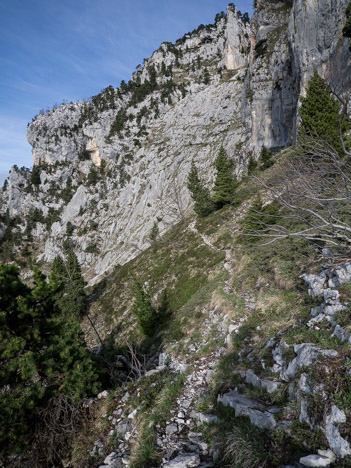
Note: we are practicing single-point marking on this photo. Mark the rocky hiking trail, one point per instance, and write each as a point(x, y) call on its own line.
point(181, 440)
point(294, 374)
point(289, 375)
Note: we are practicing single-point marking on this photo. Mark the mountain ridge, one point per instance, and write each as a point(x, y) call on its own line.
point(235, 83)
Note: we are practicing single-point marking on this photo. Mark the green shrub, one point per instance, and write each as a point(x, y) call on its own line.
point(92, 248)
point(261, 48)
point(42, 356)
point(83, 154)
point(35, 176)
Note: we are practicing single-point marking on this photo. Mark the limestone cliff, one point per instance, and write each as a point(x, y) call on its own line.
point(113, 167)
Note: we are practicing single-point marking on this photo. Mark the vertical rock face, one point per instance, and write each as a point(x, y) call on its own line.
point(116, 165)
point(271, 94)
point(54, 136)
point(316, 41)
point(237, 43)
point(291, 40)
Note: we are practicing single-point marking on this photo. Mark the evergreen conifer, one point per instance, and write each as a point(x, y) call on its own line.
point(252, 166)
point(145, 313)
point(203, 203)
point(154, 233)
point(206, 76)
point(320, 113)
point(71, 298)
point(35, 177)
point(42, 356)
point(265, 158)
point(225, 183)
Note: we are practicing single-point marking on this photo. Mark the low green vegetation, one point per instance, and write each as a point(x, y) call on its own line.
point(145, 452)
point(178, 265)
point(43, 361)
point(242, 445)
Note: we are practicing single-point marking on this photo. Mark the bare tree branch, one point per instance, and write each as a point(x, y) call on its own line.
point(315, 190)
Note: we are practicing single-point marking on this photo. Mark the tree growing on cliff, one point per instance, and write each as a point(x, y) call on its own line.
point(315, 202)
point(173, 201)
point(42, 356)
point(35, 177)
point(154, 233)
point(225, 183)
point(320, 113)
point(204, 205)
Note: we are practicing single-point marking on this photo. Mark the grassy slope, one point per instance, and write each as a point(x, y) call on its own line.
point(194, 275)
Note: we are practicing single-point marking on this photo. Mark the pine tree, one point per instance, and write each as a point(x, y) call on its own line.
point(225, 183)
point(35, 177)
point(252, 166)
point(203, 203)
point(265, 158)
point(145, 313)
point(320, 113)
point(93, 175)
point(71, 298)
point(42, 356)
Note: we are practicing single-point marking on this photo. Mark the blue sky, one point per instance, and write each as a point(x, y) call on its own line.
point(55, 50)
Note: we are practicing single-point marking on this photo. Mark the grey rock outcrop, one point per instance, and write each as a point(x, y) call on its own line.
point(269, 386)
point(306, 355)
point(340, 276)
point(316, 284)
point(183, 461)
point(319, 24)
point(258, 414)
point(338, 444)
point(315, 460)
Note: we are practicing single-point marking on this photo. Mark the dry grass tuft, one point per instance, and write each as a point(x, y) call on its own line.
point(241, 448)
